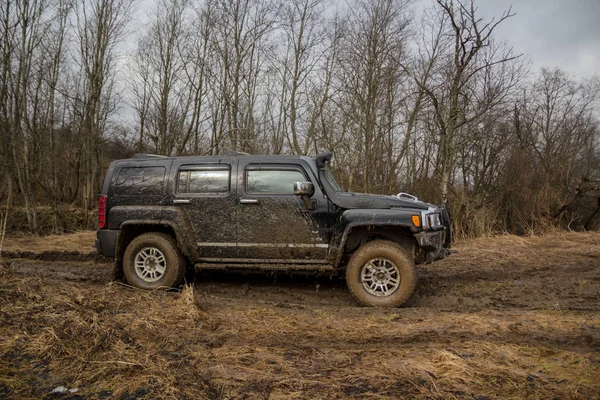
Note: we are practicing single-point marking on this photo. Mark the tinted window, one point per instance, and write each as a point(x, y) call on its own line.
point(140, 181)
point(273, 181)
point(207, 180)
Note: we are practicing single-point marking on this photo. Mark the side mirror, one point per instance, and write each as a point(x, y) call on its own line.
point(304, 189)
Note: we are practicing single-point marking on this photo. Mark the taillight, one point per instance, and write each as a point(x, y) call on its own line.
point(102, 211)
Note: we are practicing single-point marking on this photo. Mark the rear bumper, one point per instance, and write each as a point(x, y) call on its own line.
point(106, 242)
point(433, 243)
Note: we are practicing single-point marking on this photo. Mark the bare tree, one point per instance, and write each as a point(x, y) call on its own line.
point(556, 120)
point(556, 126)
point(197, 73)
point(243, 29)
point(474, 76)
point(24, 29)
point(305, 33)
point(163, 100)
point(142, 85)
point(369, 78)
point(100, 26)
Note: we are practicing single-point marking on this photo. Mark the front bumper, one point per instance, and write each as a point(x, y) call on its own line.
point(106, 242)
point(433, 244)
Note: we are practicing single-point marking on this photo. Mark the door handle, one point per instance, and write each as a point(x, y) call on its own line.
point(249, 201)
point(181, 201)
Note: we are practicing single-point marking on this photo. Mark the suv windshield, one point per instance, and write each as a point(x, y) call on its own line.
point(328, 176)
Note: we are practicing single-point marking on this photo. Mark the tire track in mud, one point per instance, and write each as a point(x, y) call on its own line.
point(68, 270)
point(543, 284)
point(60, 265)
point(60, 256)
point(542, 290)
point(451, 285)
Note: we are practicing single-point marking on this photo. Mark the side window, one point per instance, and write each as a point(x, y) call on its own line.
point(140, 181)
point(274, 181)
point(203, 180)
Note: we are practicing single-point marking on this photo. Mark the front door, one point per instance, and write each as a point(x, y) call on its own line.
point(274, 224)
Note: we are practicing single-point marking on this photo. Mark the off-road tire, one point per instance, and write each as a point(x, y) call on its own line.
point(382, 250)
point(174, 265)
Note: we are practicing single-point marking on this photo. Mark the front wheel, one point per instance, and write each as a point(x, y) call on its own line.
point(152, 261)
point(381, 274)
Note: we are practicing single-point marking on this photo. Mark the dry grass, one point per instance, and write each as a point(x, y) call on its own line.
point(114, 342)
point(568, 249)
point(110, 341)
point(551, 240)
point(81, 242)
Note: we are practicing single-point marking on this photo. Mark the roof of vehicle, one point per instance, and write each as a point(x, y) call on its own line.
point(271, 158)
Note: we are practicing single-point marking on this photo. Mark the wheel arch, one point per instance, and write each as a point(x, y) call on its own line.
point(134, 228)
point(356, 235)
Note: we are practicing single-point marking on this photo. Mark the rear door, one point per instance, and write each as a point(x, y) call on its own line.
point(274, 224)
point(137, 192)
point(206, 193)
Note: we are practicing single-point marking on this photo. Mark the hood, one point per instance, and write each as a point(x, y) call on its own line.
point(351, 200)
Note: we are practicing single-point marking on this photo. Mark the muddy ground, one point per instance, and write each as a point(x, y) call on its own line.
point(506, 317)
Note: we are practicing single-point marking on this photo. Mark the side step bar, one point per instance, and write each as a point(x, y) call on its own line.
point(266, 267)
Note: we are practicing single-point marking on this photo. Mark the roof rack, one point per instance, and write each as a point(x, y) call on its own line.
point(235, 153)
point(144, 155)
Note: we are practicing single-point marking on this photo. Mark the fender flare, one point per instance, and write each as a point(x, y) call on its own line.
point(370, 224)
point(184, 247)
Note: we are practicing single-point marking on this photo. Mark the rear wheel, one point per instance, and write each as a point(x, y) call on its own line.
point(381, 274)
point(152, 261)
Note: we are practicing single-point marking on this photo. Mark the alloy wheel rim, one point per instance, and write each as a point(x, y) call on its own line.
point(150, 264)
point(380, 277)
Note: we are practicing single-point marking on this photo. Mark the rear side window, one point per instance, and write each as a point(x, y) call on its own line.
point(273, 181)
point(204, 180)
point(140, 181)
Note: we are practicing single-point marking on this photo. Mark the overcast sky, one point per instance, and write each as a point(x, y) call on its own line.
point(551, 33)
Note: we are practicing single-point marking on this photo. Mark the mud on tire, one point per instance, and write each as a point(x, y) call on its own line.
point(152, 261)
point(381, 274)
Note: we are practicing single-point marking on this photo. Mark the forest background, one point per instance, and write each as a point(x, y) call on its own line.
point(425, 100)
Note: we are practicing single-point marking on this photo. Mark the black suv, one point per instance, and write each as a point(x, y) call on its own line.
point(159, 215)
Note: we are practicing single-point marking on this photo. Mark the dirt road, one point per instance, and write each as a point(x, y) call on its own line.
point(509, 317)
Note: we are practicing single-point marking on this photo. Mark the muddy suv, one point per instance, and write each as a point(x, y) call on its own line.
point(160, 215)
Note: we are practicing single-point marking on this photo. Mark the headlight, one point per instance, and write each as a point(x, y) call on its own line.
point(432, 221)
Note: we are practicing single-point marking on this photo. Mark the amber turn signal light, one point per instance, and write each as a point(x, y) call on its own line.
point(416, 220)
